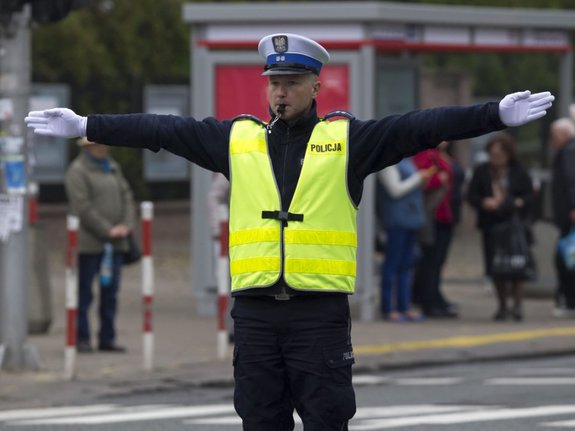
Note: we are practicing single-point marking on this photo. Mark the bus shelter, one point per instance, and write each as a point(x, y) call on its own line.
point(373, 70)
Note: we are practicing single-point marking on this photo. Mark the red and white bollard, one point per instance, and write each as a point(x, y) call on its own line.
point(32, 203)
point(71, 296)
point(147, 209)
point(223, 279)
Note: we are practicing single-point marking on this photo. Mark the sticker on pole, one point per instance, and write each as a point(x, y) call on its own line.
point(14, 165)
point(11, 210)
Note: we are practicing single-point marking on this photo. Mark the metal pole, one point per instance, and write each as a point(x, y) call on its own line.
point(566, 84)
point(366, 288)
point(204, 284)
point(15, 354)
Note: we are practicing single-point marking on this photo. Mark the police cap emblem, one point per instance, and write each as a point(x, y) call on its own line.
point(280, 44)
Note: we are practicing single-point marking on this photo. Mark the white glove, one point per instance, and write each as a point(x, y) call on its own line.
point(59, 122)
point(519, 108)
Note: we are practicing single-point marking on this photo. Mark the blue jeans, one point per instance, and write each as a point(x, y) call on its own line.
point(396, 270)
point(88, 269)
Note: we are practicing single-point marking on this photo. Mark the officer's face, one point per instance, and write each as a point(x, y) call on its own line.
point(295, 92)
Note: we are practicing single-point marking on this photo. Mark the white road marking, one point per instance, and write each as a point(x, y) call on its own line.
point(545, 371)
point(428, 381)
point(222, 420)
point(129, 415)
point(366, 418)
point(465, 417)
point(410, 410)
point(48, 412)
point(362, 413)
point(530, 381)
point(367, 379)
point(560, 424)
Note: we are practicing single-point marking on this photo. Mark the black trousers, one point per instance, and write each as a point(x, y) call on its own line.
point(294, 354)
point(426, 289)
point(566, 283)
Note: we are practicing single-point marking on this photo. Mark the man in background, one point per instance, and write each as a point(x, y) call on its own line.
point(562, 139)
point(100, 196)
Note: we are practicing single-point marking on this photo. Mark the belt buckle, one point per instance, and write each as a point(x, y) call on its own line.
point(282, 297)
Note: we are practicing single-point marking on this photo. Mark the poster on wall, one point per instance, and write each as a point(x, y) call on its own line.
point(240, 89)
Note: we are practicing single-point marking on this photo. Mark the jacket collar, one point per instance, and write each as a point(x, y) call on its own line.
point(93, 164)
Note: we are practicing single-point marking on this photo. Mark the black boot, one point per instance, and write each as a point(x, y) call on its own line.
point(517, 313)
point(500, 315)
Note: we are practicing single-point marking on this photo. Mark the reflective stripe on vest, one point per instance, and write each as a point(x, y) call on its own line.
point(315, 254)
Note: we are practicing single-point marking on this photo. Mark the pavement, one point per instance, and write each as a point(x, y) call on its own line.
point(185, 354)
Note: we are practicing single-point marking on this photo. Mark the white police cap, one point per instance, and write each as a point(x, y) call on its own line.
point(291, 54)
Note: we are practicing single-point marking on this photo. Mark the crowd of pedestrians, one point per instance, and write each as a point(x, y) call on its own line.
point(419, 206)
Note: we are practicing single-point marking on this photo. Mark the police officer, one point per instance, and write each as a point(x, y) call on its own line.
point(296, 183)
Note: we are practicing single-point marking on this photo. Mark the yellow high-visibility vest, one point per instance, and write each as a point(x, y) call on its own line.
point(314, 242)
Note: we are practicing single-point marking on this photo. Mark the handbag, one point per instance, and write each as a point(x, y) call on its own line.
point(512, 258)
point(431, 200)
point(134, 253)
point(566, 246)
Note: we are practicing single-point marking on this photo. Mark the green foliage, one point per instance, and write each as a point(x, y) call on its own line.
point(107, 55)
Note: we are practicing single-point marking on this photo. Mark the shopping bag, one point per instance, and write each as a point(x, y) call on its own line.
point(134, 254)
point(431, 200)
point(512, 258)
point(566, 247)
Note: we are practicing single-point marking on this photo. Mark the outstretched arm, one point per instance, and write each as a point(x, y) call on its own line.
point(376, 144)
point(202, 142)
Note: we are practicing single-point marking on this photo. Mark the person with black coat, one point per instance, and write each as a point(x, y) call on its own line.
point(500, 188)
point(562, 139)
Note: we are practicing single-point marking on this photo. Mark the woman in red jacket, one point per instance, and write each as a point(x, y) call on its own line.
point(436, 237)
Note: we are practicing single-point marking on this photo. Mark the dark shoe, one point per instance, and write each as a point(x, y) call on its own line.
point(84, 347)
point(452, 306)
point(440, 313)
point(395, 317)
point(500, 315)
point(112, 348)
point(517, 314)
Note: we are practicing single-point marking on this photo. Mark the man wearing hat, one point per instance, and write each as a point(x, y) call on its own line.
point(100, 196)
point(296, 183)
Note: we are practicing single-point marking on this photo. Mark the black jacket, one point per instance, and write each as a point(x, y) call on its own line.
point(520, 186)
point(373, 144)
point(563, 183)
